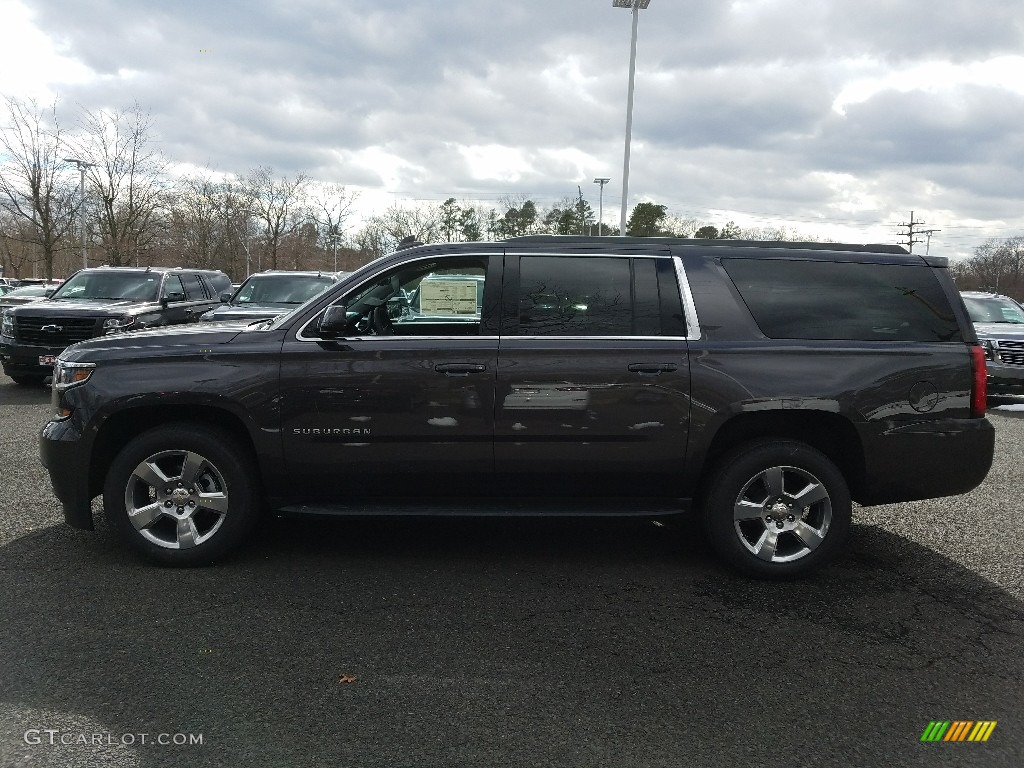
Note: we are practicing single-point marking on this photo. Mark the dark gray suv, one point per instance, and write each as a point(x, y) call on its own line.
point(760, 388)
point(100, 301)
point(999, 323)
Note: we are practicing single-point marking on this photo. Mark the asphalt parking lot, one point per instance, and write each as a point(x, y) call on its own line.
point(517, 642)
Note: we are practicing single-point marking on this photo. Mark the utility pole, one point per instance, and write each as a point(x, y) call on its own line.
point(581, 209)
point(602, 180)
point(928, 243)
point(909, 234)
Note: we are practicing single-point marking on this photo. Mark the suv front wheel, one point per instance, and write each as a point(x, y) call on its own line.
point(182, 494)
point(777, 509)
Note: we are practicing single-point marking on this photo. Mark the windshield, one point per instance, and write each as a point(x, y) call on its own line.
point(994, 310)
point(136, 286)
point(288, 290)
point(28, 290)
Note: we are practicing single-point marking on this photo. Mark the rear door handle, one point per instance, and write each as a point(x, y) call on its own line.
point(652, 369)
point(459, 369)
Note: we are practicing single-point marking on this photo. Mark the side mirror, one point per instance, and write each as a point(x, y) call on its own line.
point(175, 296)
point(49, 292)
point(225, 297)
point(335, 321)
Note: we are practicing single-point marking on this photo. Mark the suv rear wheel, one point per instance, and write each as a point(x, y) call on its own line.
point(182, 494)
point(777, 509)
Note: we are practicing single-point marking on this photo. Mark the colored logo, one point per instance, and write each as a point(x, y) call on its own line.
point(958, 730)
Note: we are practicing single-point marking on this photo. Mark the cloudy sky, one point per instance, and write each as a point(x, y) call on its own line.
point(834, 117)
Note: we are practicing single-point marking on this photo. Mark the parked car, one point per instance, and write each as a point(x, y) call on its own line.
point(101, 301)
point(999, 323)
point(543, 376)
point(269, 294)
point(5, 289)
point(25, 295)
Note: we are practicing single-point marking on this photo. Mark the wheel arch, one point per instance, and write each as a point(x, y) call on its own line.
point(831, 434)
point(126, 424)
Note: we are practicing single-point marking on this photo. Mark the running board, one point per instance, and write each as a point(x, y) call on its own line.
point(487, 507)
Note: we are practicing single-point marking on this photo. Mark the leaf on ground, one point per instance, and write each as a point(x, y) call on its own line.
point(347, 679)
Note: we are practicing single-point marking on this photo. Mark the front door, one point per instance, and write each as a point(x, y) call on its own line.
point(402, 403)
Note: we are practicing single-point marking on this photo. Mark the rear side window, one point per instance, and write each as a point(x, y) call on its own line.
point(591, 296)
point(842, 300)
point(193, 288)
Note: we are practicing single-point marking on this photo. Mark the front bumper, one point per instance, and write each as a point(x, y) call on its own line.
point(1004, 379)
point(64, 453)
point(23, 359)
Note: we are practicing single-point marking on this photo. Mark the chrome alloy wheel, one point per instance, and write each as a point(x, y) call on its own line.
point(176, 499)
point(782, 514)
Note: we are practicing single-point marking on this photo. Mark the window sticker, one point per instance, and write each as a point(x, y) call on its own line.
point(448, 297)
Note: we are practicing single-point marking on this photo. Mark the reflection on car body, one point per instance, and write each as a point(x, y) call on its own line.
point(547, 397)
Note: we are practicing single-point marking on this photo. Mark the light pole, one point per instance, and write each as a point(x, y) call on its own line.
point(636, 6)
point(600, 204)
point(82, 165)
point(333, 237)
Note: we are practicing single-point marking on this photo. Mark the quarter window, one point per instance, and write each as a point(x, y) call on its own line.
point(798, 299)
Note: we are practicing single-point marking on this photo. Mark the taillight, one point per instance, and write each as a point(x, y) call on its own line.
point(978, 385)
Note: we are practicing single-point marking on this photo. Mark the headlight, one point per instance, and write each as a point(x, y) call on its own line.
point(7, 328)
point(115, 324)
point(66, 375)
point(991, 350)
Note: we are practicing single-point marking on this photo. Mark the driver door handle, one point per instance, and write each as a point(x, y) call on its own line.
point(459, 369)
point(652, 369)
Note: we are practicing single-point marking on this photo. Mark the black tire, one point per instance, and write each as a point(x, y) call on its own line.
point(182, 494)
point(783, 537)
point(26, 380)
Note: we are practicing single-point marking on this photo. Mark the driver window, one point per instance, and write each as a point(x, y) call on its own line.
point(431, 297)
point(173, 285)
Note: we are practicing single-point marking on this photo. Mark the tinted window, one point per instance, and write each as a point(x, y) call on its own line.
point(194, 288)
point(834, 300)
point(588, 296)
point(173, 285)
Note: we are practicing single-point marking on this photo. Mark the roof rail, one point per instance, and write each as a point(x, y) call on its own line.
point(681, 241)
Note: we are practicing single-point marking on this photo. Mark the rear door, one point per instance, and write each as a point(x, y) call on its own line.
point(592, 394)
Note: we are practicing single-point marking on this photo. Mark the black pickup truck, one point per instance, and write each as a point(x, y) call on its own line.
point(100, 301)
point(757, 387)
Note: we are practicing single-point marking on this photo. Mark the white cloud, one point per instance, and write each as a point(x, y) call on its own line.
point(1002, 72)
point(31, 63)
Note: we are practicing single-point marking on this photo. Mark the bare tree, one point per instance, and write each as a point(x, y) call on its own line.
point(35, 189)
point(278, 205)
point(997, 265)
point(127, 180)
point(195, 219)
point(18, 253)
point(382, 233)
point(330, 207)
